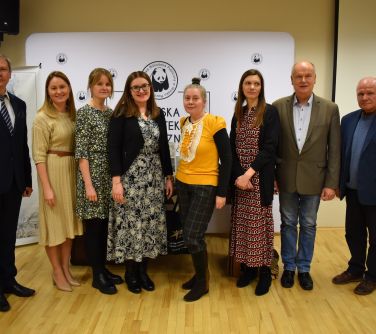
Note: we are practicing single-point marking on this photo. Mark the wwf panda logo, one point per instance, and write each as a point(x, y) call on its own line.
point(61, 58)
point(163, 78)
point(234, 96)
point(113, 72)
point(256, 58)
point(204, 74)
point(81, 96)
point(159, 79)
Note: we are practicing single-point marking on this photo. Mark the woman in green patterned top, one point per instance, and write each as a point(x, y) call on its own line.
point(93, 179)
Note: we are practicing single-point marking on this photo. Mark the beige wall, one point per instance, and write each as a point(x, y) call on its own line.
point(310, 23)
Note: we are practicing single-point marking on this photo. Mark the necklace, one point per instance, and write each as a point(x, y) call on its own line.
point(191, 135)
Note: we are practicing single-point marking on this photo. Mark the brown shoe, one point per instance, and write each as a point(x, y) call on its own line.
point(346, 277)
point(365, 287)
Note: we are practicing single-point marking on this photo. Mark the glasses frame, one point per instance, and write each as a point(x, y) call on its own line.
point(144, 88)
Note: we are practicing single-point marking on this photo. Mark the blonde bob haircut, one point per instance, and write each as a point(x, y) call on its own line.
point(96, 75)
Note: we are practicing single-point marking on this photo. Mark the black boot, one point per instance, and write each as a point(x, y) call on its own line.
point(201, 284)
point(264, 282)
point(188, 285)
point(145, 281)
point(131, 277)
point(103, 284)
point(247, 275)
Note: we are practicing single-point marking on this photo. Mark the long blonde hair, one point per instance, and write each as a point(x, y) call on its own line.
point(48, 107)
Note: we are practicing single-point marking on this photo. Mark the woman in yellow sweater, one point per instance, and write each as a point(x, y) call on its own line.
point(201, 180)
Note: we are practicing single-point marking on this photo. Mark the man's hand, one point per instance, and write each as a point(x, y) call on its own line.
point(328, 194)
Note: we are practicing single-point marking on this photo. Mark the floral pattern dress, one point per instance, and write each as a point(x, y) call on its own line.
point(91, 144)
point(137, 229)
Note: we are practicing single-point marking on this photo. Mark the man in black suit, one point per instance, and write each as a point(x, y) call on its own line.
point(358, 185)
point(15, 182)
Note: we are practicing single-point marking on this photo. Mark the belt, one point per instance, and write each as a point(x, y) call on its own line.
point(61, 153)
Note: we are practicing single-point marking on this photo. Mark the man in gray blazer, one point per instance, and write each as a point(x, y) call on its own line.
point(308, 162)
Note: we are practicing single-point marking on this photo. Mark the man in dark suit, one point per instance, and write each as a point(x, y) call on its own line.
point(308, 160)
point(15, 182)
point(358, 184)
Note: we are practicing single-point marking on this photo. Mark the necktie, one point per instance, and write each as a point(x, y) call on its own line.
point(5, 114)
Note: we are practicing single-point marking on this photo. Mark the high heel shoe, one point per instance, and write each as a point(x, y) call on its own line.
point(67, 288)
point(73, 282)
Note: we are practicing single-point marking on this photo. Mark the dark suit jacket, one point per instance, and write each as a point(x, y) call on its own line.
point(126, 141)
point(366, 179)
point(318, 164)
point(14, 151)
point(265, 160)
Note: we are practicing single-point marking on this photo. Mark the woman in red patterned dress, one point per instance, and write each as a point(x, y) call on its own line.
point(254, 138)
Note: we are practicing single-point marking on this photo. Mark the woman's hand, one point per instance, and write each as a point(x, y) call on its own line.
point(169, 187)
point(243, 182)
point(91, 194)
point(49, 197)
point(118, 193)
point(220, 202)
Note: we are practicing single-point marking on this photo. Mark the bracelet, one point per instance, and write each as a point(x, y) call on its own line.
point(170, 177)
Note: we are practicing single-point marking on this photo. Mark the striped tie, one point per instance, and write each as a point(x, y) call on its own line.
point(5, 114)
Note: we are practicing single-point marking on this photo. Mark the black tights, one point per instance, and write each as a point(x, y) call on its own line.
point(95, 237)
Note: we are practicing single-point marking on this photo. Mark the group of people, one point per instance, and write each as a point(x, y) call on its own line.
point(105, 174)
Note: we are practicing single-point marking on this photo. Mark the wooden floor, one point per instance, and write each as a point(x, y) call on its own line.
point(226, 309)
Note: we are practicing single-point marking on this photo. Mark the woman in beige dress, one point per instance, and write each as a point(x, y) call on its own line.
point(53, 145)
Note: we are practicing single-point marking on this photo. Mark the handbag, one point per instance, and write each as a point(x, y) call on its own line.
point(175, 240)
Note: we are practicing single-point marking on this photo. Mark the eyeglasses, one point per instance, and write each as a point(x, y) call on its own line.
point(144, 88)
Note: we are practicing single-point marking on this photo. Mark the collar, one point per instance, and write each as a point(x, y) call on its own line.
point(309, 102)
point(7, 95)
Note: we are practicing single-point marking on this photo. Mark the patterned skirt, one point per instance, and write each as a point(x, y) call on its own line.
point(252, 230)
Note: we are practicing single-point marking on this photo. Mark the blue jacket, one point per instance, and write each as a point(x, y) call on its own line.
point(366, 178)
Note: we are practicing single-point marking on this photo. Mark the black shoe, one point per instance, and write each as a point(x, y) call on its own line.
point(133, 283)
point(116, 279)
point(145, 281)
point(287, 279)
point(132, 277)
point(188, 285)
point(199, 289)
point(247, 275)
point(305, 281)
point(103, 284)
point(4, 305)
point(264, 282)
point(19, 290)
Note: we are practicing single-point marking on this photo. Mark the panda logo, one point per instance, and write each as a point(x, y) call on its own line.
point(256, 58)
point(163, 77)
point(81, 96)
point(204, 74)
point(159, 79)
point(113, 73)
point(61, 58)
point(234, 96)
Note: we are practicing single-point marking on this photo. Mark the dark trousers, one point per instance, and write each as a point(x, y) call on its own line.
point(359, 219)
point(196, 205)
point(10, 203)
point(95, 238)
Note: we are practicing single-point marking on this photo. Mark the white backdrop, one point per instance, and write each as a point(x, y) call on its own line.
point(171, 59)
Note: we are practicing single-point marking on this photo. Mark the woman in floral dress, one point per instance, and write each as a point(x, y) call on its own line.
point(254, 139)
point(94, 180)
point(141, 173)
